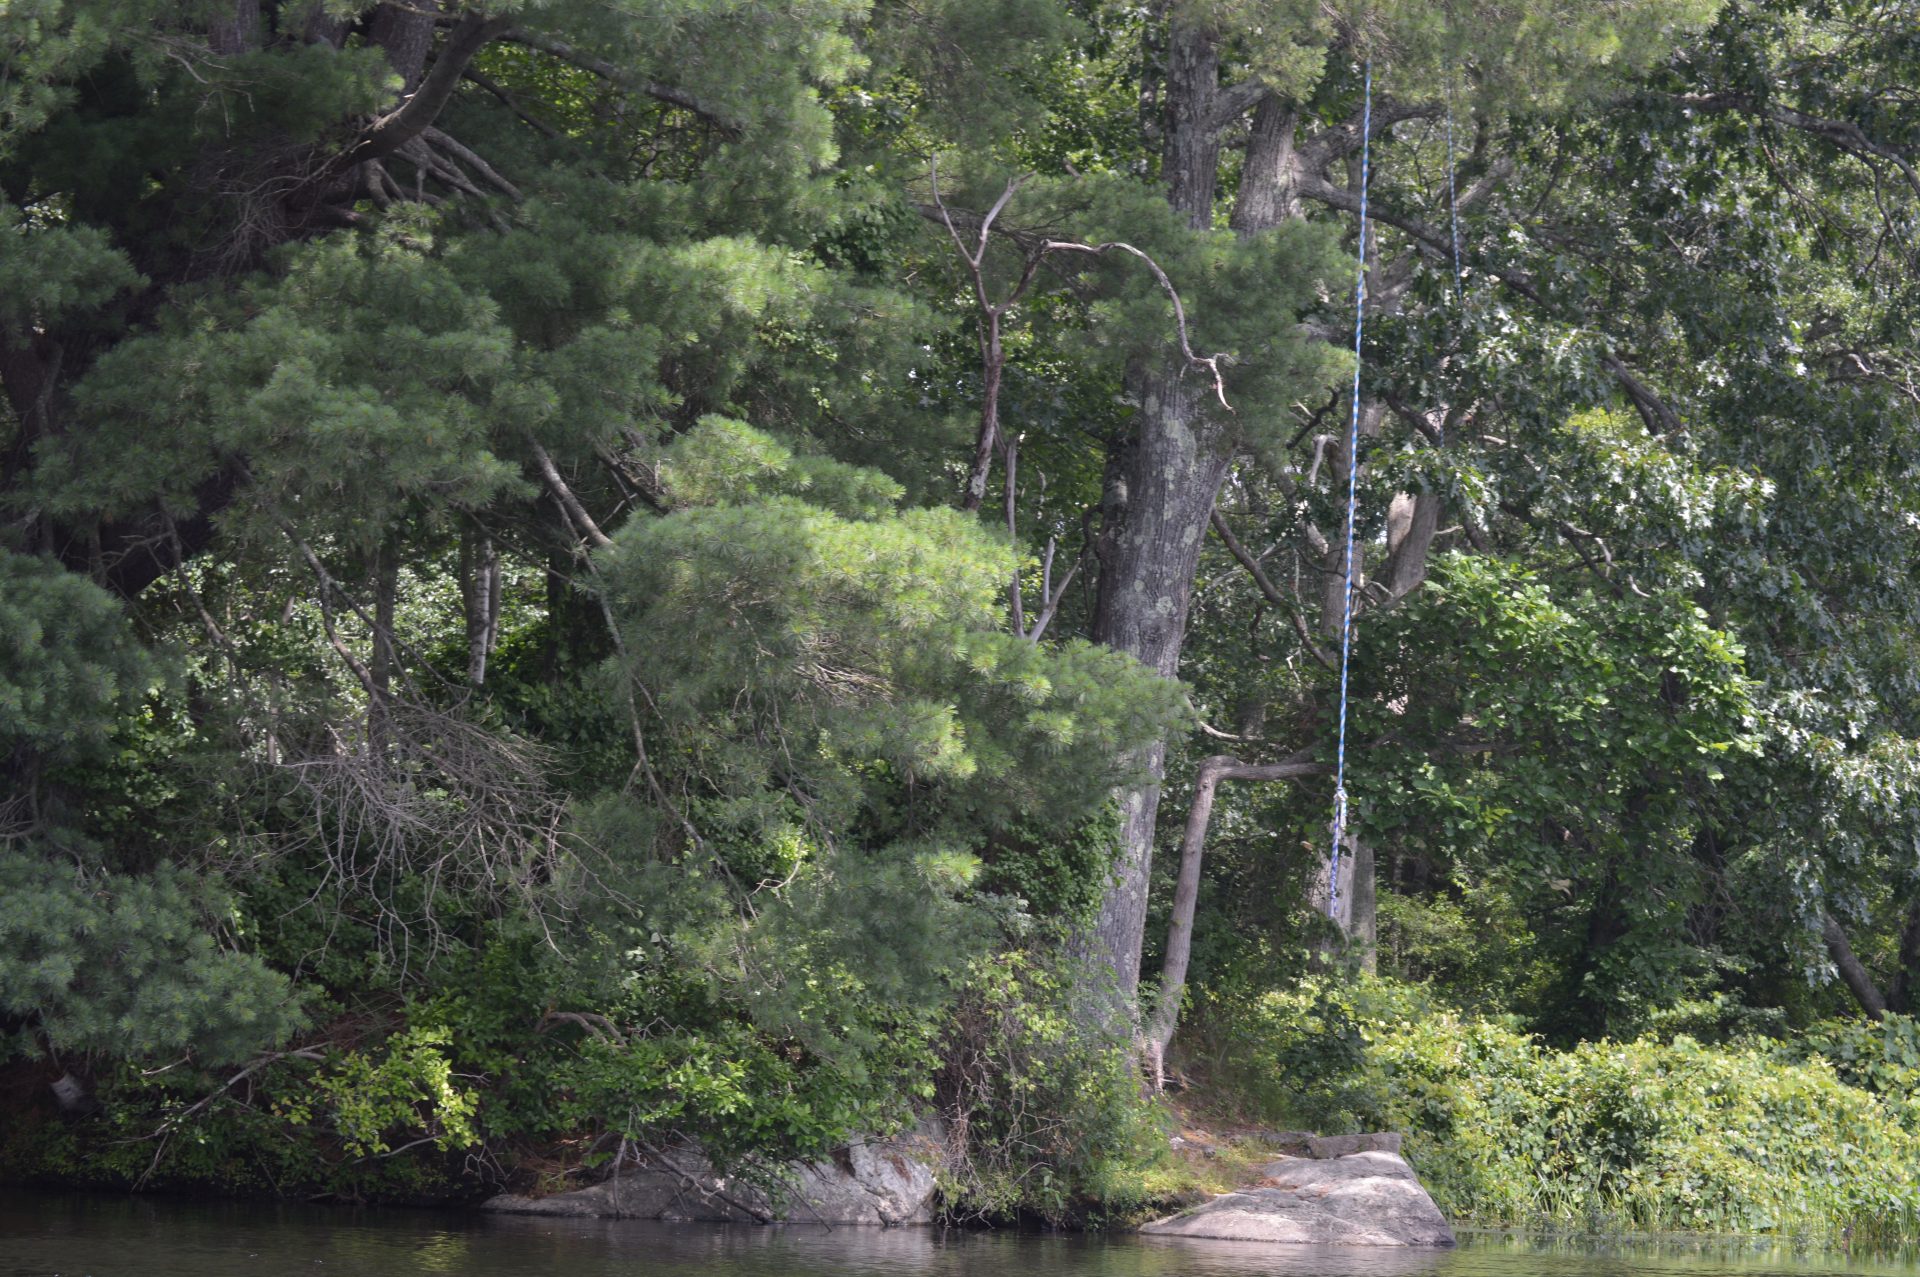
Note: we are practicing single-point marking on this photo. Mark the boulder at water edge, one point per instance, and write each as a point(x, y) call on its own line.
point(869, 1182)
point(1361, 1199)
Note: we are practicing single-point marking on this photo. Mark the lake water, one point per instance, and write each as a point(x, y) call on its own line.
point(75, 1236)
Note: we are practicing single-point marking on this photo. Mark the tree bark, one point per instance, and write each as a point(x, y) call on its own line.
point(1266, 196)
point(1160, 498)
point(238, 30)
point(1411, 526)
point(1161, 487)
point(405, 31)
point(1904, 997)
point(1190, 160)
point(480, 602)
point(1855, 975)
point(1363, 912)
point(1354, 916)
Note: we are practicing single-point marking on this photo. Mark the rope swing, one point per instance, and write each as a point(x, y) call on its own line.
point(1353, 449)
point(1453, 204)
point(1353, 472)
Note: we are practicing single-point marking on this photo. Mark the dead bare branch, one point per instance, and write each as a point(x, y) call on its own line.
point(564, 495)
point(1272, 592)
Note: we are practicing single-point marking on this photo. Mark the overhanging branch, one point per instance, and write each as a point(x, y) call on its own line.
point(414, 116)
point(1845, 134)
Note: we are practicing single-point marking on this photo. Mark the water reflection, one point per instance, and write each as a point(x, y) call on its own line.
point(112, 1237)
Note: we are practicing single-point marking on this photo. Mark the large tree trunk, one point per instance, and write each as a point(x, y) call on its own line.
point(1160, 491)
point(1266, 196)
point(1190, 161)
point(1160, 497)
point(405, 31)
point(1162, 486)
point(238, 29)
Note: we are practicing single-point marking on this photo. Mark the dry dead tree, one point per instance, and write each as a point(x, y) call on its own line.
point(430, 816)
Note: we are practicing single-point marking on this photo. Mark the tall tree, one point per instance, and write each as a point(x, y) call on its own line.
point(1282, 89)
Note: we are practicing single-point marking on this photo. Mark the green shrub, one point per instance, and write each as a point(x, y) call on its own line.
point(1044, 1110)
point(1752, 1136)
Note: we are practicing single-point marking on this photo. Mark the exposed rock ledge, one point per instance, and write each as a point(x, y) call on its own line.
point(1368, 1198)
point(870, 1182)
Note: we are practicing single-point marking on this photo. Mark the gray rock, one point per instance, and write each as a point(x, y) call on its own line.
point(1293, 1143)
point(1361, 1199)
point(885, 1182)
point(642, 1194)
point(881, 1182)
point(1330, 1146)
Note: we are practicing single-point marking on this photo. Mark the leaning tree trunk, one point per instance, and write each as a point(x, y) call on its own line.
point(1157, 1032)
point(1852, 971)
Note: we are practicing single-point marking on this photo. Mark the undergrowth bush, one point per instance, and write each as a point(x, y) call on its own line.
point(1044, 1111)
point(1817, 1135)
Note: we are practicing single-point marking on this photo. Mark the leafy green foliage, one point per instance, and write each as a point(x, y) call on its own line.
point(1055, 1124)
point(1648, 1134)
point(1579, 750)
point(840, 725)
point(489, 657)
point(409, 1085)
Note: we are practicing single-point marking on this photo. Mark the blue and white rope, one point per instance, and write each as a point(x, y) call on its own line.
point(1353, 472)
point(1453, 204)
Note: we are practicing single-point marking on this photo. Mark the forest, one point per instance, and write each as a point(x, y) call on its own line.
point(587, 578)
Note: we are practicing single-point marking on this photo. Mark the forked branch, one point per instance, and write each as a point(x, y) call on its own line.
point(990, 313)
point(1157, 1032)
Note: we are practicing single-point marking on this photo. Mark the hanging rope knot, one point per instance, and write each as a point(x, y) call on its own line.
point(1333, 861)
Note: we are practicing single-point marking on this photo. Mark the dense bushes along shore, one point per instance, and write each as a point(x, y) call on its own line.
point(1813, 1135)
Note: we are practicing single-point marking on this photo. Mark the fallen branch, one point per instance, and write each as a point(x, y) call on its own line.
point(575, 511)
point(706, 1192)
point(165, 1130)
